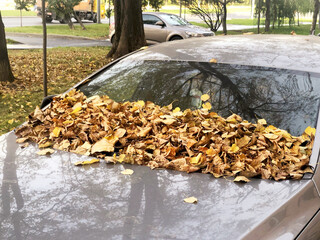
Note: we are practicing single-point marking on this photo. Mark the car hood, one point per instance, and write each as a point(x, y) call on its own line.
point(194, 29)
point(47, 197)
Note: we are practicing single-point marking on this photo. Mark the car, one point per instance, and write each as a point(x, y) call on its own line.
point(162, 27)
point(271, 77)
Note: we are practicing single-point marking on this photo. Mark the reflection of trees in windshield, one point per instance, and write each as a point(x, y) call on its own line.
point(285, 98)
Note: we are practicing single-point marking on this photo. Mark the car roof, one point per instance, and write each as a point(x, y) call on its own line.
point(279, 51)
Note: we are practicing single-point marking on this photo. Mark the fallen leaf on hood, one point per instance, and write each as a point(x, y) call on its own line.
point(205, 97)
point(241, 179)
point(127, 172)
point(46, 151)
point(88, 162)
point(190, 200)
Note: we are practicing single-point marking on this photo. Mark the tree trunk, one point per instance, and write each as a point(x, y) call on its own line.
point(267, 22)
point(129, 32)
point(5, 69)
point(79, 20)
point(224, 20)
point(259, 15)
point(314, 18)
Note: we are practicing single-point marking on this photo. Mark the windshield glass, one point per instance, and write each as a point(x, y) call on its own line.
point(285, 98)
point(174, 20)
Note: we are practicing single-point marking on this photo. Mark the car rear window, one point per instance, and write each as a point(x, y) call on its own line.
point(287, 99)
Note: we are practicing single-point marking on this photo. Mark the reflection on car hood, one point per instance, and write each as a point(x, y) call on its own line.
point(194, 29)
point(47, 197)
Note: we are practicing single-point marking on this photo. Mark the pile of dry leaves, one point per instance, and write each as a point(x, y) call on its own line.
point(146, 134)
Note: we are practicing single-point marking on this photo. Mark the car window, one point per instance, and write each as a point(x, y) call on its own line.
point(150, 19)
point(286, 99)
point(174, 20)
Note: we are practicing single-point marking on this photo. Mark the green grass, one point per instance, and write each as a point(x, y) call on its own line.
point(16, 13)
point(93, 30)
point(299, 30)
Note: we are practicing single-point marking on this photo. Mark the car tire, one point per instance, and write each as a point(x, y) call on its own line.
point(62, 21)
point(174, 38)
point(49, 20)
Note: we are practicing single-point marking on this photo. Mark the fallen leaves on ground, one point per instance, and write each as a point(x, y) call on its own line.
point(146, 134)
point(66, 67)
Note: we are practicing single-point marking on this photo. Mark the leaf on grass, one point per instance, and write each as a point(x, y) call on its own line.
point(127, 172)
point(11, 121)
point(190, 200)
point(46, 151)
point(88, 162)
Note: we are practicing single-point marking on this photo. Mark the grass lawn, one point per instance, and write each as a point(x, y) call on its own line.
point(299, 30)
point(16, 13)
point(93, 30)
point(66, 66)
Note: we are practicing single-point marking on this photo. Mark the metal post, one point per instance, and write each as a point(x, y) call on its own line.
point(44, 28)
point(98, 11)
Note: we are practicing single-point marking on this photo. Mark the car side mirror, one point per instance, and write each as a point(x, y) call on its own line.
point(160, 23)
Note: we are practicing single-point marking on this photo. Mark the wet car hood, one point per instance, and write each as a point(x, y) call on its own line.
point(194, 29)
point(47, 197)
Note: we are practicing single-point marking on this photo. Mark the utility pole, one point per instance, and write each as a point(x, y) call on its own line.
point(180, 8)
point(98, 11)
point(44, 28)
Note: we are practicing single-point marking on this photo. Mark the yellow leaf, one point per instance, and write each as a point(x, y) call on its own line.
point(67, 122)
point(144, 47)
point(234, 148)
point(177, 109)
point(271, 136)
point(262, 122)
point(210, 152)
point(46, 151)
point(88, 162)
point(207, 105)
point(76, 110)
point(56, 131)
point(205, 97)
point(310, 131)
point(11, 121)
point(127, 172)
point(213, 60)
point(195, 160)
point(141, 103)
point(190, 200)
point(241, 179)
point(121, 158)
point(46, 144)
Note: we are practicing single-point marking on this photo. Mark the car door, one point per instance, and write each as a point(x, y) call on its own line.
point(153, 32)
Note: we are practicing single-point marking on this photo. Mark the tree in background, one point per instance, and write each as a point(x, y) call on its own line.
point(315, 15)
point(64, 9)
point(5, 68)
point(155, 4)
point(224, 15)
point(23, 5)
point(210, 11)
point(129, 33)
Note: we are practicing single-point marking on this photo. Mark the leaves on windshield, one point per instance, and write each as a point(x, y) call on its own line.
point(144, 133)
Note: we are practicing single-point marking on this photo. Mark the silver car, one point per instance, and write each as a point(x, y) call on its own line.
point(256, 76)
point(162, 27)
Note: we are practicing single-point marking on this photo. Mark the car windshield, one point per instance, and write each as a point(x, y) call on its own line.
point(285, 98)
point(174, 20)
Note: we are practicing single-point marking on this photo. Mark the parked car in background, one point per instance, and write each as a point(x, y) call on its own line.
point(273, 77)
point(162, 27)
